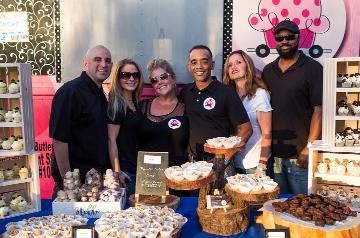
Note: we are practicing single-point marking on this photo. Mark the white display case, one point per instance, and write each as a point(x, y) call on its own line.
point(327, 150)
point(21, 128)
point(24, 128)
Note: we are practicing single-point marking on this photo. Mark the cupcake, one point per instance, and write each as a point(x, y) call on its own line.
point(356, 136)
point(12, 139)
point(4, 211)
point(353, 169)
point(339, 79)
point(8, 116)
point(22, 205)
point(339, 139)
point(340, 169)
point(16, 115)
point(333, 167)
point(2, 87)
point(349, 140)
point(342, 108)
point(16, 145)
point(322, 167)
point(9, 174)
point(346, 81)
point(357, 80)
point(355, 107)
point(6, 144)
point(14, 87)
point(24, 173)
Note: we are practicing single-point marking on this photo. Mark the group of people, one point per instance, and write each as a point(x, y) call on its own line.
point(276, 115)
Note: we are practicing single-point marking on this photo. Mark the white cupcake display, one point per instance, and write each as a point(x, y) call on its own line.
point(338, 167)
point(348, 196)
point(224, 142)
point(12, 143)
point(53, 226)
point(140, 221)
point(189, 171)
point(247, 183)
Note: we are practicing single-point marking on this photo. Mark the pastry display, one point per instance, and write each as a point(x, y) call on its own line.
point(140, 221)
point(247, 183)
point(23, 173)
point(3, 87)
point(189, 171)
point(224, 142)
point(54, 226)
point(14, 87)
point(348, 137)
point(338, 167)
point(315, 208)
point(342, 108)
point(338, 193)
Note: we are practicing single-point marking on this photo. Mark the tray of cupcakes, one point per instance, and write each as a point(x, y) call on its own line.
point(53, 226)
point(98, 195)
point(140, 221)
point(189, 176)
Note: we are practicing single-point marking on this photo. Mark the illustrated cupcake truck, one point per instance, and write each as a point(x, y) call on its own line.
point(306, 14)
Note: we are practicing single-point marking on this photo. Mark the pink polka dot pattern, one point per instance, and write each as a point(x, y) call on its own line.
point(254, 21)
point(296, 20)
point(297, 2)
point(305, 13)
point(264, 12)
point(274, 21)
point(317, 2)
point(284, 12)
point(276, 2)
point(317, 22)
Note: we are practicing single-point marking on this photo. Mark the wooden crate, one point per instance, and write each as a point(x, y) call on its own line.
point(332, 93)
point(88, 209)
point(29, 188)
point(23, 100)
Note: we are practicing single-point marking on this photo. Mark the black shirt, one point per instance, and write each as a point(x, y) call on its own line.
point(167, 134)
point(294, 93)
point(213, 111)
point(127, 140)
point(78, 117)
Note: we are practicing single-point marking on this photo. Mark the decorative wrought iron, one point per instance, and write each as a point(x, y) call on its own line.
point(42, 50)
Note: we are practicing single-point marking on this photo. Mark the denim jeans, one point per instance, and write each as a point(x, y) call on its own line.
point(291, 178)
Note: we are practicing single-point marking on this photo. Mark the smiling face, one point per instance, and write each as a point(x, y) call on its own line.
point(200, 65)
point(287, 48)
point(165, 85)
point(98, 64)
point(236, 67)
point(129, 82)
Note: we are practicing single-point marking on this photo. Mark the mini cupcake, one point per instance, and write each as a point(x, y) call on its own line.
point(349, 140)
point(14, 87)
point(357, 80)
point(12, 139)
point(6, 144)
point(4, 211)
point(352, 79)
point(16, 115)
point(322, 167)
point(355, 107)
point(16, 145)
point(9, 174)
point(13, 233)
point(8, 116)
point(24, 173)
point(342, 108)
point(340, 169)
point(346, 81)
point(356, 136)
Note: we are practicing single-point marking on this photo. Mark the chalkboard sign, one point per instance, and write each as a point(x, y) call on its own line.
point(150, 177)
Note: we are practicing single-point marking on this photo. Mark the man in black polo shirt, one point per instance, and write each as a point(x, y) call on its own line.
point(213, 108)
point(78, 122)
point(295, 82)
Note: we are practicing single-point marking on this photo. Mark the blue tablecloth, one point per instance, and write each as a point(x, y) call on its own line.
point(187, 208)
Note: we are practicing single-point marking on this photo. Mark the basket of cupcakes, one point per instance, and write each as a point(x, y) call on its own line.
point(98, 195)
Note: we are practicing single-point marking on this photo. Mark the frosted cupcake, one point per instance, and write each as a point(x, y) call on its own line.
point(2, 87)
point(353, 169)
point(16, 115)
point(4, 211)
point(322, 167)
point(8, 116)
point(6, 144)
point(14, 87)
point(9, 174)
point(24, 173)
point(346, 81)
point(16, 145)
point(357, 80)
point(342, 108)
point(356, 136)
point(349, 140)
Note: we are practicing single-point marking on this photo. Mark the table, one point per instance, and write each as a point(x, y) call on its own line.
point(187, 208)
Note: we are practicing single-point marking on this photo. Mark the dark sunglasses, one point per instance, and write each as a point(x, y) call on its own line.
point(162, 77)
point(287, 37)
point(127, 75)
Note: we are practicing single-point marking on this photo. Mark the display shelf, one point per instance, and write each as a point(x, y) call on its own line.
point(15, 181)
point(10, 95)
point(11, 124)
point(347, 118)
point(348, 179)
point(11, 153)
point(347, 90)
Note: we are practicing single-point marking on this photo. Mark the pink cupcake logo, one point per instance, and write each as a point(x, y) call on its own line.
point(174, 123)
point(209, 103)
point(322, 25)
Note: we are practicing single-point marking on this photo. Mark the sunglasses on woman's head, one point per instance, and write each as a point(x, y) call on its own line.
point(287, 37)
point(127, 75)
point(164, 76)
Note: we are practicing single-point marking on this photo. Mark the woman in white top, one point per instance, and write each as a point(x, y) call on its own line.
point(239, 71)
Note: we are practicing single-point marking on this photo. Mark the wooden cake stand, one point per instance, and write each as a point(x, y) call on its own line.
point(236, 218)
point(190, 185)
point(254, 197)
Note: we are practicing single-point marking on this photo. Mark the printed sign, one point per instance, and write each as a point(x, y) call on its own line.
point(14, 27)
point(217, 201)
point(150, 177)
point(86, 231)
point(277, 233)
